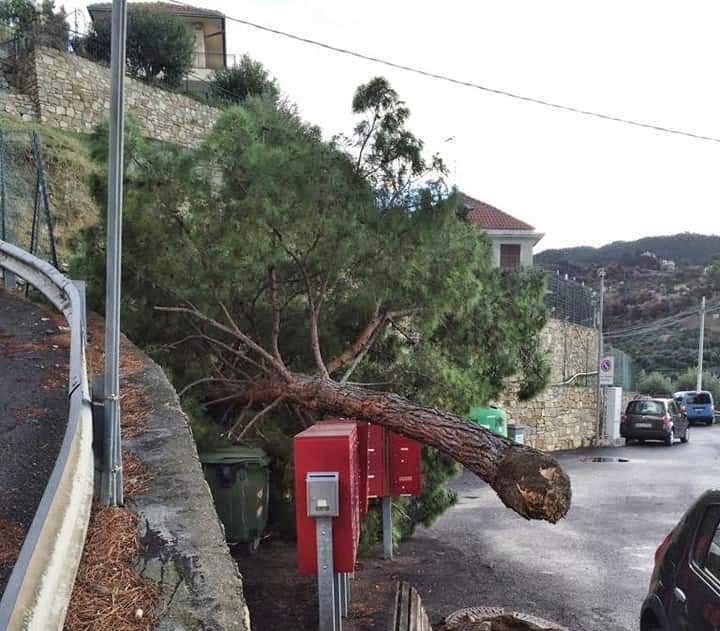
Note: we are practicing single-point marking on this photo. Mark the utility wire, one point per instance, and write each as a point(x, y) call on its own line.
point(656, 325)
point(468, 84)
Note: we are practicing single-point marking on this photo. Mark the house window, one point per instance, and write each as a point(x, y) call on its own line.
point(509, 255)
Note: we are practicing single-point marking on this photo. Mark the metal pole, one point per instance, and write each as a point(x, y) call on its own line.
point(387, 527)
point(338, 601)
point(112, 491)
point(326, 574)
point(600, 351)
point(701, 345)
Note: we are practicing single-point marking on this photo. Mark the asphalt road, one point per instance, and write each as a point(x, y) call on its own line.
point(33, 414)
point(590, 572)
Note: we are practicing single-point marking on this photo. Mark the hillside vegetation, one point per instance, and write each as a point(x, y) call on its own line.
point(68, 170)
point(653, 291)
point(687, 247)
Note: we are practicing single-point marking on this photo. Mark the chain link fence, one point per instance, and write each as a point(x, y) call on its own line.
point(570, 300)
point(626, 370)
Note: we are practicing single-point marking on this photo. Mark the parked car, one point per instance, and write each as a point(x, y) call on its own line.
point(654, 419)
point(699, 405)
point(684, 592)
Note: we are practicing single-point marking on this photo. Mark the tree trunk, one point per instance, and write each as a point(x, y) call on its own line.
point(526, 480)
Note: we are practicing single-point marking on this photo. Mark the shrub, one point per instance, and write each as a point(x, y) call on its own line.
point(41, 25)
point(248, 78)
point(654, 383)
point(159, 45)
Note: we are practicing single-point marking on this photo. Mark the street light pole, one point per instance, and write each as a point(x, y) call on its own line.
point(701, 345)
point(600, 352)
point(112, 485)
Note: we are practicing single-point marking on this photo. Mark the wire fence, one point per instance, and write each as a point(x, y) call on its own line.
point(570, 300)
point(626, 370)
point(26, 218)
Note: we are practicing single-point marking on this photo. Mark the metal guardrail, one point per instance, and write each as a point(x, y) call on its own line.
point(39, 589)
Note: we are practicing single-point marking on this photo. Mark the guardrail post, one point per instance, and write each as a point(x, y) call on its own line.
point(10, 281)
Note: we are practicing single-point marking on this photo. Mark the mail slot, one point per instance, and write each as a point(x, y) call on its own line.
point(328, 447)
point(404, 464)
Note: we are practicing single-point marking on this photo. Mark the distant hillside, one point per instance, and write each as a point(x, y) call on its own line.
point(687, 247)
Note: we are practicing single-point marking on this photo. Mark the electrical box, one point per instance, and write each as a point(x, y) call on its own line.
point(376, 461)
point(328, 447)
point(322, 494)
point(613, 411)
point(404, 465)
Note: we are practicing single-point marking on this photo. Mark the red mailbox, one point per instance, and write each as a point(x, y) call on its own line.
point(376, 461)
point(328, 446)
point(405, 469)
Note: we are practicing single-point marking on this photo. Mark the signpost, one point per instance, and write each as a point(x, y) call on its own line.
point(607, 371)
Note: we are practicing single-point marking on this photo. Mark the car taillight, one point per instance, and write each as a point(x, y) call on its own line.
point(667, 419)
point(623, 418)
point(663, 546)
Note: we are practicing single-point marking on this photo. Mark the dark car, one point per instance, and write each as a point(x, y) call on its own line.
point(684, 590)
point(654, 419)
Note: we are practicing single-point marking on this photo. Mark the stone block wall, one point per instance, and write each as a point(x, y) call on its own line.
point(570, 349)
point(73, 93)
point(562, 416)
point(17, 106)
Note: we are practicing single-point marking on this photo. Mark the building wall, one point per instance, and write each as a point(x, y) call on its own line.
point(562, 416)
point(526, 249)
point(74, 93)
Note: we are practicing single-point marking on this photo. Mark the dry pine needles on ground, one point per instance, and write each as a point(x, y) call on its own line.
point(108, 593)
point(11, 538)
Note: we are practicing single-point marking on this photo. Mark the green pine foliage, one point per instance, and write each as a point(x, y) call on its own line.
point(159, 45)
point(248, 78)
point(366, 220)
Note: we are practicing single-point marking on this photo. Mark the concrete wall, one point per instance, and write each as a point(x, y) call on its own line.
point(183, 543)
point(73, 93)
point(563, 416)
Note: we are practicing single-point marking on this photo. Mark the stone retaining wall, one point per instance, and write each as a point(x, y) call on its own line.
point(73, 93)
point(17, 106)
point(562, 416)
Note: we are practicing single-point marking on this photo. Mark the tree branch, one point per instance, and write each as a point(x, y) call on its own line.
point(234, 332)
point(361, 341)
point(257, 417)
point(314, 310)
point(275, 315)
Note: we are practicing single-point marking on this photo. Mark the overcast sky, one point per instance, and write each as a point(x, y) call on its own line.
point(577, 179)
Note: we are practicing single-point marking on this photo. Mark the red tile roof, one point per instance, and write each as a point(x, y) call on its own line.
point(183, 10)
point(488, 217)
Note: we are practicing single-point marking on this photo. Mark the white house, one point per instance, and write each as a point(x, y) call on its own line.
point(207, 25)
point(512, 240)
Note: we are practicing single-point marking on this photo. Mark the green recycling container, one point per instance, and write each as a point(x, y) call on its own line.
point(239, 478)
point(490, 417)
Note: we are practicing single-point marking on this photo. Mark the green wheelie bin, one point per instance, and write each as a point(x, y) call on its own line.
point(239, 478)
point(492, 418)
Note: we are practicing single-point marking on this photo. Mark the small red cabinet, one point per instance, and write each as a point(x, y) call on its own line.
point(328, 447)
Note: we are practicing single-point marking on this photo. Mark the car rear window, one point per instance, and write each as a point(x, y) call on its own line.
point(648, 408)
point(701, 398)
